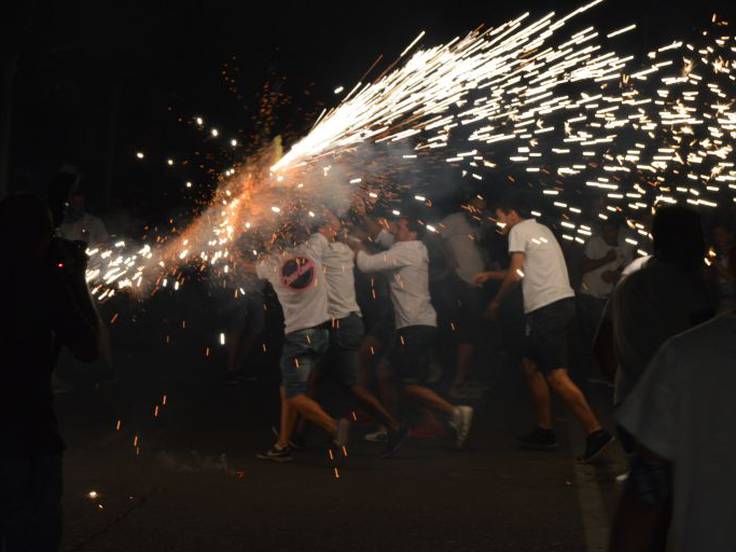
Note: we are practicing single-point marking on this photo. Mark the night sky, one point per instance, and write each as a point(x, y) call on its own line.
point(98, 81)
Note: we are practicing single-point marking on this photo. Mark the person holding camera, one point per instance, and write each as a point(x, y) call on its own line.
point(44, 305)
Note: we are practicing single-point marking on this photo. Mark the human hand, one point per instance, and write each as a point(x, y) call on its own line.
point(491, 312)
point(481, 277)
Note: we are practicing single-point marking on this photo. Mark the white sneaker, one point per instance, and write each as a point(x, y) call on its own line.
point(461, 420)
point(380, 436)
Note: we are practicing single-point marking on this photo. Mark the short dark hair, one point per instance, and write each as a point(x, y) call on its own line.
point(514, 200)
point(415, 226)
point(678, 237)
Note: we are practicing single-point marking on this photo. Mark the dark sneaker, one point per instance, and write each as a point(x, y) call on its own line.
point(394, 441)
point(297, 443)
point(275, 454)
point(595, 444)
point(539, 439)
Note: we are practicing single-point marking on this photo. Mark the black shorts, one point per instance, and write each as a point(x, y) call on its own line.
point(547, 331)
point(470, 326)
point(411, 353)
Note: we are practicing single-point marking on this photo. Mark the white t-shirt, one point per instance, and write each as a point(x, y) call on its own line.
point(407, 263)
point(339, 263)
point(545, 272)
point(597, 248)
point(461, 238)
point(682, 409)
point(298, 279)
point(88, 228)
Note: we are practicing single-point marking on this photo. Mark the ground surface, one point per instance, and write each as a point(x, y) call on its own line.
point(194, 482)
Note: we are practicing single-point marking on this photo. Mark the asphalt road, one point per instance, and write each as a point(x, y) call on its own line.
point(184, 477)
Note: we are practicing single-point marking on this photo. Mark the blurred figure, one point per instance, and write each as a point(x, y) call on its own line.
point(246, 325)
point(538, 264)
point(723, 238)
point(679, 495)
point(461, 233)
point(606, 255)
point(407, 264)
point(44, 305)
point(79, 225)
point(666, 296)
point(347, 330)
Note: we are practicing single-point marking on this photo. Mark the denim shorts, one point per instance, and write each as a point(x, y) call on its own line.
point(346, 336)
point(302, 351)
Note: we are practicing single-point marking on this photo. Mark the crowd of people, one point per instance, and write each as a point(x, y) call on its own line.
point(365, 301)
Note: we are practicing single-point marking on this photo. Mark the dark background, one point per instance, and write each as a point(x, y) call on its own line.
point(90, 83)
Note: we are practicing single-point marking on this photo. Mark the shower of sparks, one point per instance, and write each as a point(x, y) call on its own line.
point(520, 104)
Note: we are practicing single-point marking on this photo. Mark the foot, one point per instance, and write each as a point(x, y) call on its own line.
point(539, 439)
point(297, 443)
point(595, 444)
point(461, 421)
point(379, 436)
point(395, 440)
point(276, 454)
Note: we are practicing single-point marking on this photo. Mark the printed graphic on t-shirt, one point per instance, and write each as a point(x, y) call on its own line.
point(298, 273)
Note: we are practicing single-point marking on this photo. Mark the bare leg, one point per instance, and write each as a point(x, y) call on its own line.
point(288, 418)
point(540, 393)
point(561, 383)
point(430, 398)
point(386, 388)
point(464, 363)
point(313, 412)
point(367, 398)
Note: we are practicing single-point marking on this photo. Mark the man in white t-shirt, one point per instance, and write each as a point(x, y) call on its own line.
point(683, 472)
point(297, 277)
point(346, 330)
point(606, 255)
point(79, 225)
point(538, 263)
point(407, 265)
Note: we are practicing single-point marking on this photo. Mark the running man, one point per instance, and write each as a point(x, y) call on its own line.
point(537, 261)
point(296, 275)
point(407, 263)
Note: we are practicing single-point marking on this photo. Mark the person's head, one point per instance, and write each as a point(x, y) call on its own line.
point(511, 209)
point(26, 228)
point(407, 229)
point(329, 225)
point(678, 236)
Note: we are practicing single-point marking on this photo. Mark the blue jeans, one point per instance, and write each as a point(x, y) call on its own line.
point(30, 503)
point(301, 353)
point(346, 335)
